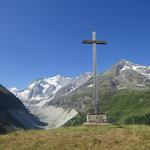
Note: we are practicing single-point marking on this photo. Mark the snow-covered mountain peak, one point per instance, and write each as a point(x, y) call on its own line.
point(58, 79)
point(81, 79)
point(137, 68)
point(85, 75)
point(127, 69)
point(43, 90)
point(124, 62)
point(130, 64)
point(14, 90)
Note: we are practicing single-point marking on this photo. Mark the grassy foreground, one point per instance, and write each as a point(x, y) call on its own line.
point(134, 137)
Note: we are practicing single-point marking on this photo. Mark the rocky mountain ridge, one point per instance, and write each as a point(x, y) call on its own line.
point(37, 96)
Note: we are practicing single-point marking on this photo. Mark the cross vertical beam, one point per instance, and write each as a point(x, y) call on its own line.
point(94, 42)
point(95, 74)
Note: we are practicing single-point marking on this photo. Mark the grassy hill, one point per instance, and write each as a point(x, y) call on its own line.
point(133, 137)
point(129, 107)
point(122, 107)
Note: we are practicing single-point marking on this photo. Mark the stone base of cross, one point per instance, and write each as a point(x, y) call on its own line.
point(96, 119)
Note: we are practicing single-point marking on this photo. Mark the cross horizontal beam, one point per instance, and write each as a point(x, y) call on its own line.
point(94, 41)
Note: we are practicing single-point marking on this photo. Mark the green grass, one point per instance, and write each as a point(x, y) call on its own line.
point(129, 107)
point(134, 137)
point(121, 107)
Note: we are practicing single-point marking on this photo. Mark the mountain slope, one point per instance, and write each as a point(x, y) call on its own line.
point(13, 114)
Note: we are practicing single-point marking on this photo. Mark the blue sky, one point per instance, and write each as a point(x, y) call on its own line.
point(42, 38)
